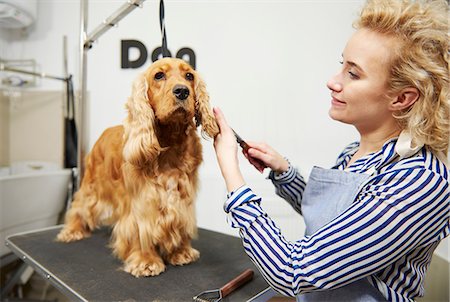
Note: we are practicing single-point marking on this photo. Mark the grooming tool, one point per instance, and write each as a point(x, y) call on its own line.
point(245, 147)
point(216, 295)
point(241, 142)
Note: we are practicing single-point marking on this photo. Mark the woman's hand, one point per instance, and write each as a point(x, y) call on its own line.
point(262, 155)
point(226, 151)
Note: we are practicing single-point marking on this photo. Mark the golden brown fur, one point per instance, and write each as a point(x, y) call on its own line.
point(142, 177)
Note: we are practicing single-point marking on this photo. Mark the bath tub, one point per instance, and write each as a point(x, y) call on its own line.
point(32, 196)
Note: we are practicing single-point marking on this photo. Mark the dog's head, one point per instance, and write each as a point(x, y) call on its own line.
point(169, 91)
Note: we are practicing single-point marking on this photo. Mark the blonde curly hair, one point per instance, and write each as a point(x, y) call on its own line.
point(421, 60)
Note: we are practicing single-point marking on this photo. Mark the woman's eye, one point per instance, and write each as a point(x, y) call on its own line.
point(159, 75)
point(189, 76)
point(353, 76)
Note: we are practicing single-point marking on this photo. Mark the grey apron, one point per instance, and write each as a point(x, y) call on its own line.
point(329, 193)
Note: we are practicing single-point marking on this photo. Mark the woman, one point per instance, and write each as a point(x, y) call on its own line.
point(375, 218)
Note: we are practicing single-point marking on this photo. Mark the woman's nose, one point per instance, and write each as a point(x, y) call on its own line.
point(334, 84)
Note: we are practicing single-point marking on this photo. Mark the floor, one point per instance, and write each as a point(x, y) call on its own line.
point(40, 289)
point(30, 287)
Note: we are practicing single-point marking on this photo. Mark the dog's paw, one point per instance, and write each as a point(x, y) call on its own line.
point(71, 235)
point(144, 269)
point(184, 256)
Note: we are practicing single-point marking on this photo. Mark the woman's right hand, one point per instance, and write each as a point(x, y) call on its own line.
point(225, 146)
point(261, 155)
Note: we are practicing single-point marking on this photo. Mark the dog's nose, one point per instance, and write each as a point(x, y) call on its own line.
point(181, 92)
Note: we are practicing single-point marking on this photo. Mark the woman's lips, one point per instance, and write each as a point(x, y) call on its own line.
point(337, 102)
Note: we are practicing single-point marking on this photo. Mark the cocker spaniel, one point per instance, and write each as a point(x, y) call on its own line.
point(141, 178)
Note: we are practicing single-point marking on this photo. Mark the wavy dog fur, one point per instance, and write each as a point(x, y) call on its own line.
point(142, 177)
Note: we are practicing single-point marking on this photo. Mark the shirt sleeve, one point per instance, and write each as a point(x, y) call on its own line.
point(392, 214)
point(290, 186)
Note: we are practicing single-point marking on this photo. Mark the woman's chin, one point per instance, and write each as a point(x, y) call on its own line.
point(338, 116)
point(334, 115)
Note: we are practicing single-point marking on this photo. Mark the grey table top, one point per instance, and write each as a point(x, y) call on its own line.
point(87, 270)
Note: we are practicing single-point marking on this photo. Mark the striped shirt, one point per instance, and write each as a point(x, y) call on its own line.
point(388, 234)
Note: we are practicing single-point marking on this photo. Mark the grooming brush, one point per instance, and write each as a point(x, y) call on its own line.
point(216, 295)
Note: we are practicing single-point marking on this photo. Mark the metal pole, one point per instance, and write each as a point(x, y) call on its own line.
point(112, 20)
point(3, 67)
point(86, 42)
point(81, 123)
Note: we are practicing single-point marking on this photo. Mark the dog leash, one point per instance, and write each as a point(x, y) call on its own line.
point(164, 50)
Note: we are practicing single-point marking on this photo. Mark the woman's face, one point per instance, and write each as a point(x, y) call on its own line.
point(359, 89)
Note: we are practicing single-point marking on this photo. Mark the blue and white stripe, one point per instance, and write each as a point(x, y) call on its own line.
point(388, 234)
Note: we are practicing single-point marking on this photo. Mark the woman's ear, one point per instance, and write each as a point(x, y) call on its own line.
point(203, 112)
point(405, 99)
point(141, 143)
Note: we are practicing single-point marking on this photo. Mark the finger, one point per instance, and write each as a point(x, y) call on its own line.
point(262, 147)
point(257, 164)
point(256, 153)
point(220, 118)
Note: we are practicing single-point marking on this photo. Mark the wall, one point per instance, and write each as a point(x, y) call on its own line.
point(33, 126)
point(265, 63)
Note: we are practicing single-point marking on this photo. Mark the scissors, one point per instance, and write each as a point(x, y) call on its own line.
point(245, 147)
point(241, 142)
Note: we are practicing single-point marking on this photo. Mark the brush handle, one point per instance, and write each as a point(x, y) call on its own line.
point(237, 282)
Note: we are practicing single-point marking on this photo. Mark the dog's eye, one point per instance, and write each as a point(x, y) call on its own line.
point(159, 75)
point(189, 76)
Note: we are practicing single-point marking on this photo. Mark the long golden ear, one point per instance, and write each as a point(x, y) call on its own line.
point(141, 144)
point(203, 113)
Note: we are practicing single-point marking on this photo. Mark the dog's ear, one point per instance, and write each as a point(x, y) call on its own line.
point(141, 144)
point(203, 113)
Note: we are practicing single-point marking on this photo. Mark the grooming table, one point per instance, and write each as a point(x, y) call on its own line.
point(86, 270)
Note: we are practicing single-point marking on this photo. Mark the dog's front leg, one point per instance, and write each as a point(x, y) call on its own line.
point(144, 264)
point(140, 258)
point(185, 254)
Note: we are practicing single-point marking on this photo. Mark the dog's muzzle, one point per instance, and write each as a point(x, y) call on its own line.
point(181, 92)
